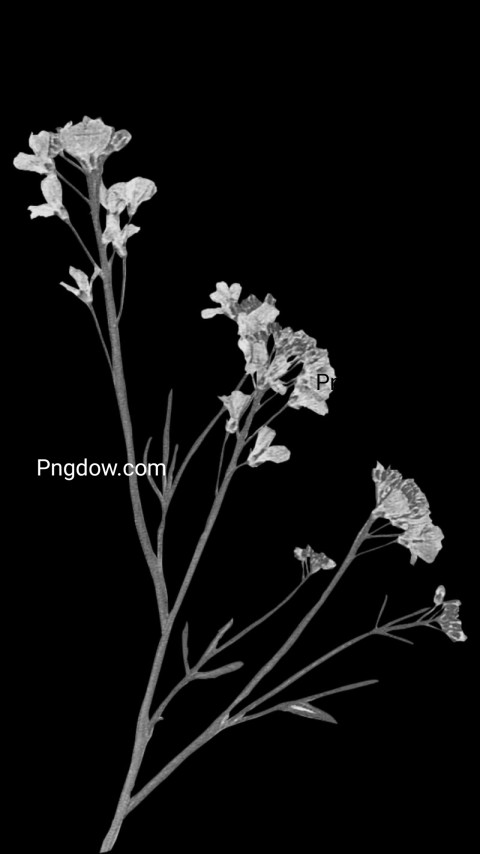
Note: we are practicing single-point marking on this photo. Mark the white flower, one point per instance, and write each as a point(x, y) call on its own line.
point(39, 162)
point(85, 141)
point(235, 403)
point(52, 191)
point(131, 193)
point(439, 595)
point(449, 622)
point(227, 297)
point(84, 286)
point(312, 561)
point(139, 190)
point(262, 453)
point(118, 237)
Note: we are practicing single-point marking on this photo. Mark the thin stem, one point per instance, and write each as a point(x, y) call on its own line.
point(124, 285)
point(258, 622)
point(396, 637)
point(407, 616)
point(166, 431)
point(381, 610)
point(375, 549)
point(269, 420)
point(66, 181)
point(95, 318)
point(93, 180)
point(222, 453)
point(89, 255)
point(72, 162)
point(150, 479)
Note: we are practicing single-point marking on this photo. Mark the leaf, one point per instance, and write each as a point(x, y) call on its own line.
point(305, 710)
point(212, 674)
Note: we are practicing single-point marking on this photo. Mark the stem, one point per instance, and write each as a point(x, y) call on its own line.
point(146, 724)
point(93, 180)
point(257, 622)
point(89, 255)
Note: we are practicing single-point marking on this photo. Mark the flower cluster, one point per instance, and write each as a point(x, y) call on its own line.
point(312, 561)
point(405, 506)
point(291, 350)
point(448, 618)
point(90, 142)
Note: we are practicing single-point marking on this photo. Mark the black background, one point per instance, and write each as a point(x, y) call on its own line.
point(342, 204)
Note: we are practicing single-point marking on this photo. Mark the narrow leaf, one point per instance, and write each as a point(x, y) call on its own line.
point(212, 674)
point(306, 710)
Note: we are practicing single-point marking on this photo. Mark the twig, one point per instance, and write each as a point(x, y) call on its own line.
point(381, 609)
point(66, 181)
point(89, 255)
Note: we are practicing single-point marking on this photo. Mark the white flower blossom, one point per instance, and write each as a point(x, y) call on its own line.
point(117, 236)
point(262, 452)
point(86, 141)
point(129, 194)
point(52, 191)
point(236, 403)
point(449, 622)
point(84, 285)
point(312, 561)
point(227, 297)
point(439, 595)
point(41, 161)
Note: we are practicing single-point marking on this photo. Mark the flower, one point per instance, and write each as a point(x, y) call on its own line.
point(84, 289)
point(85, 141)
point(448, 619)
point(405, 506)
point(39, 162)
point(117, 237)
point(439, 595)
point(312, 561)
point(52, 191)
point(131, 193)
point(227, 297)
point(262, 453)
point(236, 402)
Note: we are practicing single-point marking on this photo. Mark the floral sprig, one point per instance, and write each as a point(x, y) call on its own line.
point(291, 350)
point(405, 506)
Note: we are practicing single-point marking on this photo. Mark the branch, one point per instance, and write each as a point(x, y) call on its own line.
point(150, 479)
point(306, 620)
